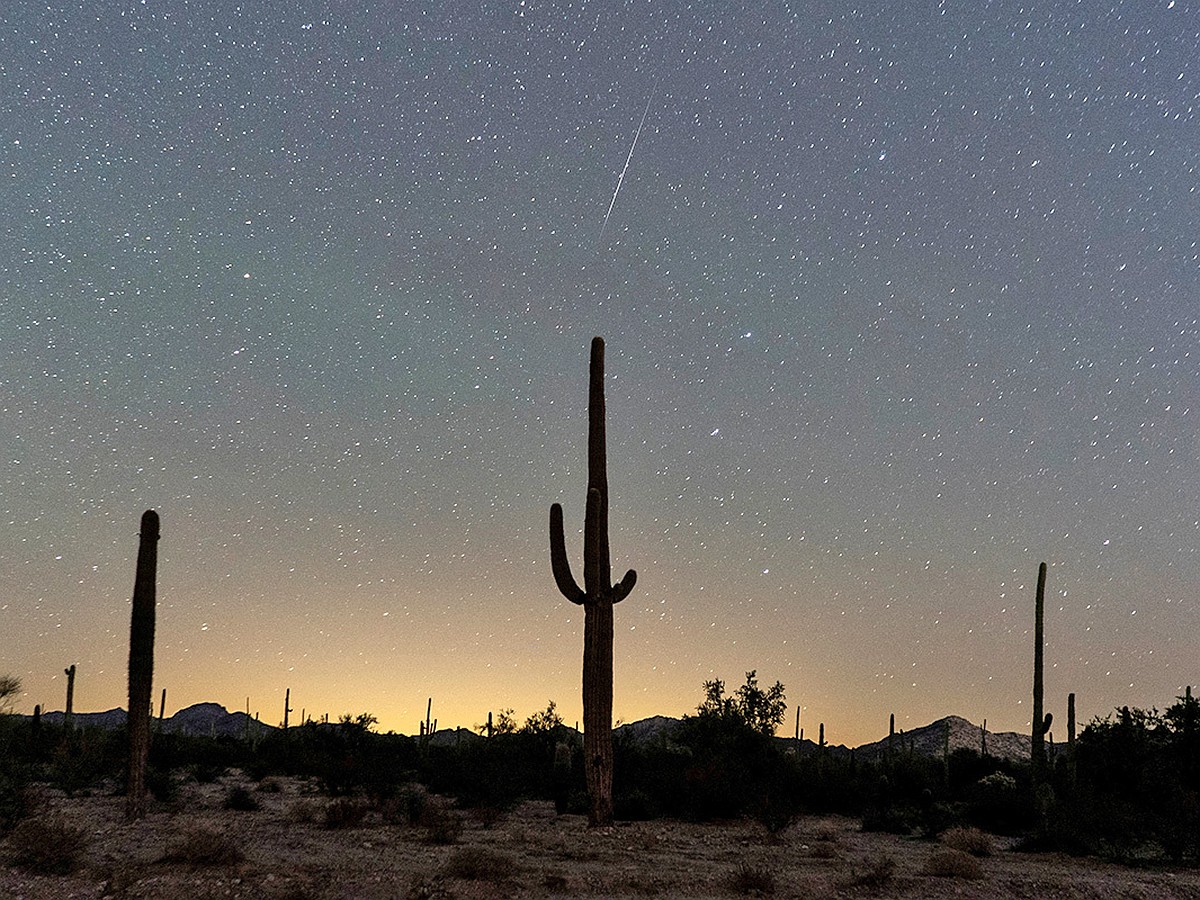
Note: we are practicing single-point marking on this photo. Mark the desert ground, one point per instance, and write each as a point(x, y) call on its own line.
point(286, 850)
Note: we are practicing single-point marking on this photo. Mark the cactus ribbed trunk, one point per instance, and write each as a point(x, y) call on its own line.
point(141, 664)
point(597, 598)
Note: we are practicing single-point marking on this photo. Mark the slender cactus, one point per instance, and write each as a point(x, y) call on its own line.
point(983, 738)
point(1040, 723)
point(69, 715)
point(1071, 772)
point(597, 598)
point(141, 664)
point(287, 707)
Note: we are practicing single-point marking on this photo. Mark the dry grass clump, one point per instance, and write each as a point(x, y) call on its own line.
point(874, 874)
point(824, 850)
point(968, 840)
point(480, 864)
point(205, 847)
point(239, 798)
point(46, 846)
point(953, 864)
point(304, 812)
point(429, 888)
point(827, 832)
point(343, 812)
point(752, 881)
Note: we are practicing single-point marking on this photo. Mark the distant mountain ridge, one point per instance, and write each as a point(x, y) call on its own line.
point(198, 720)
point(212, 719)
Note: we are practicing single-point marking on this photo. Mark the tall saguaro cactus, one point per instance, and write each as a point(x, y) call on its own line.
point(1041, 719)
point(141, 664)
point(597, 598)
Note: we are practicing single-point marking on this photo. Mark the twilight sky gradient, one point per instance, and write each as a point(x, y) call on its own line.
point(900, 300)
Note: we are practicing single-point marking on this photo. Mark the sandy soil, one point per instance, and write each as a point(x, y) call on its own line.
point(289, 854)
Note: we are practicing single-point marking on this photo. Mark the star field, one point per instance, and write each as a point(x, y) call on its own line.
point(899, 302)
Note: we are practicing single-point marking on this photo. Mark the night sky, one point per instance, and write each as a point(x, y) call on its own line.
point(899, 299)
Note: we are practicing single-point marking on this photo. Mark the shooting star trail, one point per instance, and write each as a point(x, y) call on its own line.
point(625, 168)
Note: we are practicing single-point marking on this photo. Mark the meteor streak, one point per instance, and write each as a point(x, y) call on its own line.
point(625, 168)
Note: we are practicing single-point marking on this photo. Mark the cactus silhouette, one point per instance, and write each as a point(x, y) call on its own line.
point(1041, 723)
point(141, 664)
point(597, 598)
point(69, 715)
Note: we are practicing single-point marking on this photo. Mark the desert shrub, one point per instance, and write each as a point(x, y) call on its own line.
point(343, 812)
point(968, 840)
point(774, 815)
point(827, 833)
point(205, 847)
point(712, 767)
point(239, 798)
point(206, 772)
point(162, 784)
point(487, 816)
point(442, 825)
point(411, 802)
point(14, 796)
point(630, 806)
point(996, 803)
point(75, 767)
point(950, 863)
point(752, 881)
point(891, 819)
point(46, 846)
point(270, 785)
point(874, 873)
point(480, 864)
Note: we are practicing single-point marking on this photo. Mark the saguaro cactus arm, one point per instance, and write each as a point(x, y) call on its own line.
point(559, 564)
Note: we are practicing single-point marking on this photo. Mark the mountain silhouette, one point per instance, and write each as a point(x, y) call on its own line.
point(214, 720)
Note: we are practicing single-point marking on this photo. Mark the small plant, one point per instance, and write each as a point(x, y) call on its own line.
point(951, 863)
point(205, 847)
point(969, 840)
point(343, 812)
point(480, 864)
point(752, 881)
point(270, 785)
point(46, 846)
point(239, 798)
